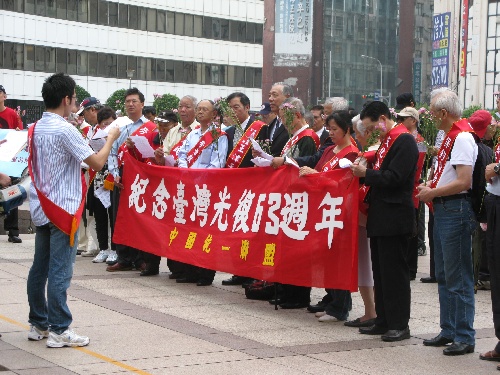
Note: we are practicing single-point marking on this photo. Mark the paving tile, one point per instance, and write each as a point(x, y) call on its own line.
point(18, 359)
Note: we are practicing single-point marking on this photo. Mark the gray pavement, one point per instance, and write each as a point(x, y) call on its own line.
point(151, 325)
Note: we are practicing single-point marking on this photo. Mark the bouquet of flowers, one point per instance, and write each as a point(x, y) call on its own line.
point(288, 111)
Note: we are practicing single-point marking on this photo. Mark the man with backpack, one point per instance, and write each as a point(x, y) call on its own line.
point(454, 222)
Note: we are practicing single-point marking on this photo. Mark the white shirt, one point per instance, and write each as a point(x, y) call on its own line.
point(58, 150)
point(174, 136)
point(319, 133)
point(213, 156)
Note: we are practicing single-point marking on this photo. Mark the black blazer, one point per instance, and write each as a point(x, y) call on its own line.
point(324, 136)
point(280, 137)
point(391, 211)
point(230, 140)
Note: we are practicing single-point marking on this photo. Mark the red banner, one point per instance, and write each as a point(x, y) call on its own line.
point(256, 222)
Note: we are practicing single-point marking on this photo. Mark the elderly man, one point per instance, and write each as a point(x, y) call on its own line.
point(337, 103)
point(277, 133)
point(454, 223)
point(177, 134)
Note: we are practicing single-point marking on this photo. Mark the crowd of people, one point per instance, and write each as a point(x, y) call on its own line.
point(199, 134)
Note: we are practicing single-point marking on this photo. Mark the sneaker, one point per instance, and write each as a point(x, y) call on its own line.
point(483, 285)
point(36, 334)
point(101, 257)
point(422, 250)
point(327, 318)
point(90, 253)
point(112, 257)
point(67, 338)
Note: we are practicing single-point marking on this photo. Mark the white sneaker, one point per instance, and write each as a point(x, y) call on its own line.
point(101, 257)
point(319, 314)
point(67, 338)
point(112, 257)
point(90, 253)
point(327, 318)
point(36, 334)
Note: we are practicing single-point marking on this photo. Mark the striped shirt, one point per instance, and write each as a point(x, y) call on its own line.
point(58, 150)
point(126, 132)
point(212, 156)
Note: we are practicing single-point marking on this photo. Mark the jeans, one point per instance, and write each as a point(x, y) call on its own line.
point(52, 266)
point(340, 304)
point(454, 223)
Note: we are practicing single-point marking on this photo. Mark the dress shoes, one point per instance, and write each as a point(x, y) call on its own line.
point(293, 305)
point(319, 307)
point(358, 323)
point(234, 280)
point(15, 239)
point(277, 301)
point(373, 330)
point(141, 267)
point(396, 335)
point(438, 341)
point(203, 282)
point(247, 282)
point(185, 280)
point(459, 348)
point(150, 272)
point(118, 267)
point(428, 280)
point(174, 276)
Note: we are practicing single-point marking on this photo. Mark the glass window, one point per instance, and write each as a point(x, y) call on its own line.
point(179, 24)
point(83, 11)
point(239, 76)
point(199, 73)
point(250, 33)
point(242, 31)
point(1, 54)
point(61, 60)
point(170, 22)
point(93, 11)
point(30, 7)
point(151, 25)
point(143, 19)
point(207, 27)
point(61, 9)
point(92, 63)
point(72, 14)
point(39, 58)
point(121, 66)
point(215, 28)
point(150, 69)
point(50, 59)
point(169, 71)
point(131, 63)
point(160, 70)
point(81, 62)
point(111, 65)
point(222, 75)
point(224, 29)
point(101, 65)
point(141, 70)
point(40, 8)
point(71, 58)
point(102, 15)
point(161, 21)
point(208, 74)
point(258, 33)
point(189, 72)
point(233, 31)
point(14, 5)
point(188, 25)
point(123, 15)
point(249, 75)
point(133, 17)
point(257, 81)
point(29, 57)
point(179, 72)
point(198, 26)
point(51, 8)
point(230, 75)
point(113, 14)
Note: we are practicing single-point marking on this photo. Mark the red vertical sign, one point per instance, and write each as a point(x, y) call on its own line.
point(465, 26)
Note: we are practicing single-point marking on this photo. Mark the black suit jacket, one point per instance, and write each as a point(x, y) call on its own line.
point(391, 211)
point(246, 162)
point(280, 137)
point(324, 136)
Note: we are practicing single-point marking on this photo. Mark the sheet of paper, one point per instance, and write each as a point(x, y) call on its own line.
point(289, 161)
point(14, 141)
point(169, 161)
point(257, 148)
point(100, 133)
point(421, 147)
point(12, 169)
point(97, 144)
point(261, 162)
point(345, 163)
point(104, 196)
point(120, 123)
point(142, 144)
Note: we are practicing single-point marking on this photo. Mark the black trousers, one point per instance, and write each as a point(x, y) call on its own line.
point(391, 278)
point(492, 204)
point(102, 216)
point(413, 250)
point(11, 222)
point(296, 294)
point(340, 304)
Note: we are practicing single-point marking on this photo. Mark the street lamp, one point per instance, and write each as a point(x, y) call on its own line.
point(373, 58)
point(130, 75)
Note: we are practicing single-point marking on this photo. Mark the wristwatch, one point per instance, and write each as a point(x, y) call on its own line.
point(496, 169)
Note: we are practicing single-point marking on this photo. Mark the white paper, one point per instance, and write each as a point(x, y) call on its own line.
point(104, 196)
point(290, 161)
point(120, 123)
point(261, 162)
point(257, 148)
point(14, 141)
point(142, 144)
point(100, 133)
point(97, 144)
point(169, 161)
point(345, 163)
point(421, 146)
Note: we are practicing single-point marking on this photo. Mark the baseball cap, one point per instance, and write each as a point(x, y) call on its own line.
point(265, 109)
point(3, 89)
point(404, 100)
point(479, 121)
point(86, 103)
point(409, 112)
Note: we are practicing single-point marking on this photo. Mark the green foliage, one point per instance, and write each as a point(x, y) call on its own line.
point(469, 111)
point(117, 100)
point(81, 93)
point(165, 102)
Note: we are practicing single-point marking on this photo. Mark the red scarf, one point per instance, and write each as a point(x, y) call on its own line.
point(334, 161)
point(205, 141)
point(304, 133)
point(175, 150)
point(243, 146)
point(141, 130)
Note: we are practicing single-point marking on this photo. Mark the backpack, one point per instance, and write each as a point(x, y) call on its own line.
point(260, 290)
point(484, 157)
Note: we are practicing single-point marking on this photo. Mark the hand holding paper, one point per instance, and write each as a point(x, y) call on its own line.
point(261, 152)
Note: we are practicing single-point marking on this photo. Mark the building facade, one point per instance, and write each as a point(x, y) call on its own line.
point(204, 48)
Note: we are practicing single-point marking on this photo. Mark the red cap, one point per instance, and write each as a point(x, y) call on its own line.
point(480, 121)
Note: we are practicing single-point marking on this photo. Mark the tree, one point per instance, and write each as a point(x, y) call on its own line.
point(81, 93)
point(165, 102)
point(117, 100)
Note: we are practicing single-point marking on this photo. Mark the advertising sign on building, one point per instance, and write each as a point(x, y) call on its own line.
point(293, 32)
point(417, 79)
point(440, 50)
point(465, 31)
